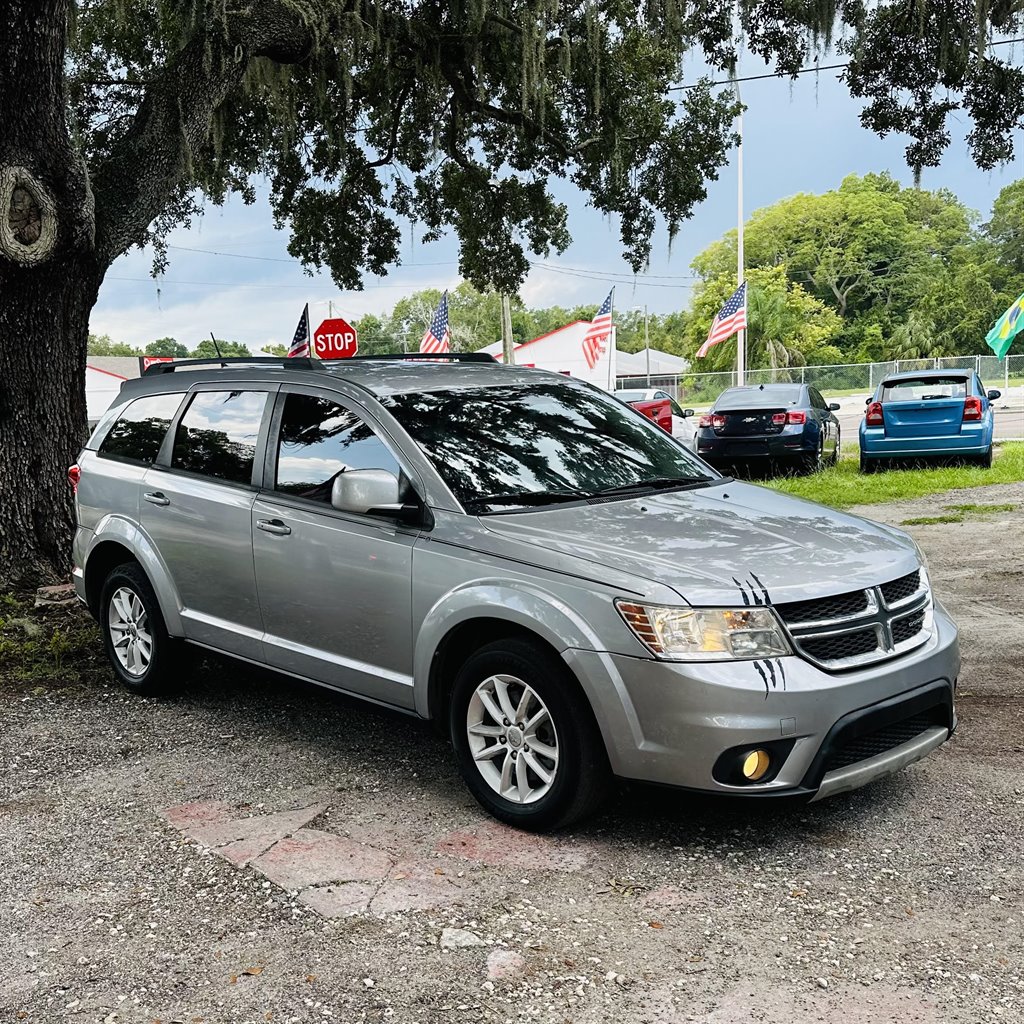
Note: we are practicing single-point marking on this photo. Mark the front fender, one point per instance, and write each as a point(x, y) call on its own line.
point(127, 534)
point(515, 602)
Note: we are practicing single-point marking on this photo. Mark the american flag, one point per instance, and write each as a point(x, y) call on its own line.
point(300, 343)
point(597, 332)
point(437, 338)
point(732, 317)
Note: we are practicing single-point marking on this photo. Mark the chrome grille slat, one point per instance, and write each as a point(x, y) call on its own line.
point(862, 627)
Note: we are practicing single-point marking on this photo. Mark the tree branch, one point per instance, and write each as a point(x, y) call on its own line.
point(173, 123)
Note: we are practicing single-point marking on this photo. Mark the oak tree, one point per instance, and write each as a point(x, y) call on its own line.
point(123, 118)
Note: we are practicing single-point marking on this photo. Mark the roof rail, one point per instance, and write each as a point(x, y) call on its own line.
point(305, 363)
point(452, 357)
point(295, 363)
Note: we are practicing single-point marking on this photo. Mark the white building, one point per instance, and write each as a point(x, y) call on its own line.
point(104, 376)
point(562, 351)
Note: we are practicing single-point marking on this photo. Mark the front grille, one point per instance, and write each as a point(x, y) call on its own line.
point(841, 646)
point(901, 589)
point(822, 609)
point(881, 740)
point(907, 628)
point(845, 631)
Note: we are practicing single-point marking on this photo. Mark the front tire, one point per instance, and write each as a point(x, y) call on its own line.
point(145, 658)
point(834, 458)
point(525, 738)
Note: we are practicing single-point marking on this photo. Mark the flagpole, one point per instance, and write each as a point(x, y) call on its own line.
point(741, 336)
point(611, 340)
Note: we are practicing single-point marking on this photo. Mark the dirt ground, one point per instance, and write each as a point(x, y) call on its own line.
point(259, 851)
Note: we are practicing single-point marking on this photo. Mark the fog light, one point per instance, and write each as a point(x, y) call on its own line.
point(755, 765)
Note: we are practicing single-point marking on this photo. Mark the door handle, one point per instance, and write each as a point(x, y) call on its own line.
point(274, 526)
point(156, 498)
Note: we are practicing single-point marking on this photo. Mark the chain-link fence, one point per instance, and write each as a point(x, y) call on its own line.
point(855, 379)
point(832, 381)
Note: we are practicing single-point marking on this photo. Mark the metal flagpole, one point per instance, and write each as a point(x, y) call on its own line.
point(741, 336)
point(611, 342)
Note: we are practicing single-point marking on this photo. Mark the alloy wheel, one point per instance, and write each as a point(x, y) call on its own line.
point(128, 623)
point(512, 739)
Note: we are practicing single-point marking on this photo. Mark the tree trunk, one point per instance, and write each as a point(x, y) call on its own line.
point(49, 280)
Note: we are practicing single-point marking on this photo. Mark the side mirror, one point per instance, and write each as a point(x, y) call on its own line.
point(993, 395)
point(867, 401)
point(834, 406)
point(687, 413)
point(370, 492)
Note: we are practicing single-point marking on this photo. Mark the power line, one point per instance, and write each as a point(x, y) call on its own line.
point(801, 71)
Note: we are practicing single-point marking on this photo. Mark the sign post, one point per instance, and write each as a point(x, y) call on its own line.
point(335, 339)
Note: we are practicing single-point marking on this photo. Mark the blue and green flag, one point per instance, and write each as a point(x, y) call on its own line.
point(1007, 327)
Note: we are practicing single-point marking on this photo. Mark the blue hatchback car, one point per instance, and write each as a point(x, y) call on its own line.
point(928, 413)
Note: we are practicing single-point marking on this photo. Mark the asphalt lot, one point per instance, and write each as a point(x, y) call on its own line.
point(259, 851)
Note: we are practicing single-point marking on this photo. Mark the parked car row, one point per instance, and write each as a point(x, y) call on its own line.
point(910, 416)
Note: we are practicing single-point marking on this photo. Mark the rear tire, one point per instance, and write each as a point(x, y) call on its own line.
point(507, 696)
point(814, 462)
point(145, 658)
point(834, 457)
point(867, 465)
point(985, 459)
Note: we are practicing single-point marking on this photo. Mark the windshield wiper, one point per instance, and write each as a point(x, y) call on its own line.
point(532, 497)
point(659, 483)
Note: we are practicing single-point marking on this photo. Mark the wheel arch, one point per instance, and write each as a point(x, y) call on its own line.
point(472, 617)
point(117, 541)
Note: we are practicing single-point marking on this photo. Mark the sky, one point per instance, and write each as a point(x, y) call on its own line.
point(802, 136)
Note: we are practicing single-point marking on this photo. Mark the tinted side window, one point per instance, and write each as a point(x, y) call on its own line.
point(319, 440)
point(140, 429)
point(816, 400)
point(218, 433)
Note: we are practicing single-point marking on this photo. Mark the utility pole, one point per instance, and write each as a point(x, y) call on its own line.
point(647, 346)
point(507, 347)
point(741, 336)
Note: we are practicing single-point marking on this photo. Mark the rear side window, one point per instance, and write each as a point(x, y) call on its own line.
point(922, 389)
point(320, 440)
point(140, 429)
point(217, 435)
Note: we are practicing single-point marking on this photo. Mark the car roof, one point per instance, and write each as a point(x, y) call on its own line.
point(380, 377)
point(920, 374)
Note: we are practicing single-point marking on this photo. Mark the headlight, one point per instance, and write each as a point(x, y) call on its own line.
point(705, 634)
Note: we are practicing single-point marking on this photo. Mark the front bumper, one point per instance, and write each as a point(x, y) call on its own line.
point(670, 723)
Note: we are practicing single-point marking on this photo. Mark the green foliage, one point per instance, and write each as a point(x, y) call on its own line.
point(909, 272)
point(466, 116)
point(845, 486)
point(167, 347)
point(104, 345)
point(206, 350)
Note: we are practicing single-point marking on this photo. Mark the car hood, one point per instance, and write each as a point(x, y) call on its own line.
point(725, 544)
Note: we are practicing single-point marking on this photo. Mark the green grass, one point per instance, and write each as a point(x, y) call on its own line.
point(959, 513)
point(844, 486)
point(47, 647)
point(931, 520)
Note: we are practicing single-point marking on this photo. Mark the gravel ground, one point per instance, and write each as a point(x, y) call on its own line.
point(901, 902)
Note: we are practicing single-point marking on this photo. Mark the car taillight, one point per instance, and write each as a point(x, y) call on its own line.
point(74, 475)
point(705, 421)
point(712, 420)
point(873, 417)
point(972, 408)
point(798, 418)
point(778, 419)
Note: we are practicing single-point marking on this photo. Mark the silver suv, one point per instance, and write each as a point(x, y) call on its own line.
point(544, 573)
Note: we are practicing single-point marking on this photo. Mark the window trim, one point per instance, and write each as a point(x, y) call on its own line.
point(267, 487)
point(127, 460)
point(163, 460)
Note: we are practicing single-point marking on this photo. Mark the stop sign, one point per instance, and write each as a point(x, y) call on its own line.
point(335, 339)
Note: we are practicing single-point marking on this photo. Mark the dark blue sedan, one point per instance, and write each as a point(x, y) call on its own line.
point(789, 424)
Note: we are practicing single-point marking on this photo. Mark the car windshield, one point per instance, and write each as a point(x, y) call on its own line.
point(771, 397)
point(920, 389)
point(505, 447)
